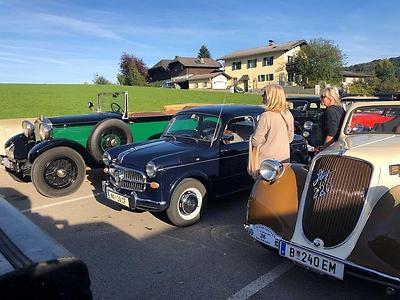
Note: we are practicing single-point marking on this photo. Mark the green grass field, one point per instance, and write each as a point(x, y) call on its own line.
point(32, 100)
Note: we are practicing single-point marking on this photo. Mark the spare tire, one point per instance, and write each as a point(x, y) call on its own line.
point(108, 134)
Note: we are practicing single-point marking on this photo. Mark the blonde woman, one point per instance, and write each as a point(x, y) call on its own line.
point(332, 117)
point(275, 127)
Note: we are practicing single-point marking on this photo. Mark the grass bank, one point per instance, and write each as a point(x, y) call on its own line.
point(32, 100)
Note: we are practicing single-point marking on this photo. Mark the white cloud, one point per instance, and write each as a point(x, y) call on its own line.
point(85, 27)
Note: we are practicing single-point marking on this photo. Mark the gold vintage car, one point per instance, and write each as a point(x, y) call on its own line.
point(342, 216)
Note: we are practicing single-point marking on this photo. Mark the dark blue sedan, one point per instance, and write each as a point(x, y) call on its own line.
point(203, 151)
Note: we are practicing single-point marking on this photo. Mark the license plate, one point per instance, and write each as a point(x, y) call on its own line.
point(114, 196)
point(264, 235)
point(312, 260)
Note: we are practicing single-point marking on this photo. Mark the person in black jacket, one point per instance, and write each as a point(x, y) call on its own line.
point(333, 116)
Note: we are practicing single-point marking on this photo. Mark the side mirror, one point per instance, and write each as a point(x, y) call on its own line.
point(90, 105)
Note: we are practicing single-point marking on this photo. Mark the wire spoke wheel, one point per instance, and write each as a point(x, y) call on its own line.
point(111, 138)
point(60, 173)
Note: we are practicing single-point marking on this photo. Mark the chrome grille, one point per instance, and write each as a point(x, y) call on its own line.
point(129, 179)
point(335, 198)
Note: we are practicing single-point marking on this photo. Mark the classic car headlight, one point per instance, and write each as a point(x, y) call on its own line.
point(27, 128)
point(106, 158)
point(44, 131)
point(151, 169)
point(271, 169)
point(308, 125)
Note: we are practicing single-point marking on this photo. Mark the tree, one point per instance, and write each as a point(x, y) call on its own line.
point(133, 70)
point(98, 79)
point(385, 71)
point(204, 52)
point(318, 61)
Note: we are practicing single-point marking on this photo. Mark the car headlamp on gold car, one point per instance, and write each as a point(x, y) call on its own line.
point(271, 170)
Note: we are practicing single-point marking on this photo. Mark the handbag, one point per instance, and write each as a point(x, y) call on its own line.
point(253, 165)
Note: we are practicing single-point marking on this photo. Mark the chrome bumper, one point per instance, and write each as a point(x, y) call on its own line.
point(10, 165)
point(138, 203)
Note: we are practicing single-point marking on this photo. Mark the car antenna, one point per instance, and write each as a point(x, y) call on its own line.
point(219, 118)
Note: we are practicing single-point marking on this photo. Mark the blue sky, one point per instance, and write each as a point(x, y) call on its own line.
point(71, 41)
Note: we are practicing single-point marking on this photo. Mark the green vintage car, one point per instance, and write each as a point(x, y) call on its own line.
point(53, 152)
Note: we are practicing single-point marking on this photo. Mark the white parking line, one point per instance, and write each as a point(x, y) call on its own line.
point(262, 282)
point(59, 203)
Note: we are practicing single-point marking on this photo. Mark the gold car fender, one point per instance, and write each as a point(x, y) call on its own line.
point(275, 204)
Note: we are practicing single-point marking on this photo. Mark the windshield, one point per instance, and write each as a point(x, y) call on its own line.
point(374, 119)
point(111, 102)
point(197, 126)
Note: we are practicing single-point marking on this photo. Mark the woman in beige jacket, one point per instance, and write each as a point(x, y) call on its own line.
point(275, 127)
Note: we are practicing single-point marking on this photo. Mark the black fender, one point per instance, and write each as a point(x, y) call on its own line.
point(44, 146)
point(195, 174)
point(22, 145)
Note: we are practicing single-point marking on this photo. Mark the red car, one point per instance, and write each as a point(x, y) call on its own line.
point(368, 118)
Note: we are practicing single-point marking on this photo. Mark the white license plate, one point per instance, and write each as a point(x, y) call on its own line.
point(114, 196)
point(264, 235)
point(312, 260)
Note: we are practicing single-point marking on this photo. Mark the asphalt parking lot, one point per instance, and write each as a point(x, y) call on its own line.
point(137, 255)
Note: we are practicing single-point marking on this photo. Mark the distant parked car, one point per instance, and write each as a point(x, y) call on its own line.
point(342, 214)
point(54, 152)
point(307, 112)
point(202, 152)
point(168, 84)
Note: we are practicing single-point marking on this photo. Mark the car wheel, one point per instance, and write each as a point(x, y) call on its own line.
point(187, 201)
point(58, 172)
point(108, 134)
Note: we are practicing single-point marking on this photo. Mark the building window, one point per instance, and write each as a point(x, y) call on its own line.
point(291, 77)
point(270, 77)
point(268, 61)
point(251, 63)
point(204, 84)
point(261, 78)
point(290, 59)
point(236, 65)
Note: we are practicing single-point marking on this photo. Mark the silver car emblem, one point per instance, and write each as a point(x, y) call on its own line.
point(321, 184)
point(318, 242)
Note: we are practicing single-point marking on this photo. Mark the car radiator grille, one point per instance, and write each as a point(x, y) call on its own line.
point(129, 179)
point(335, 198)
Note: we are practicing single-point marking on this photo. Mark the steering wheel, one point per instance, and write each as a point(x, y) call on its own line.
point(115, 107)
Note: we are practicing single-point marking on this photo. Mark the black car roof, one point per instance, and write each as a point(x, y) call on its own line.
point(228, 110)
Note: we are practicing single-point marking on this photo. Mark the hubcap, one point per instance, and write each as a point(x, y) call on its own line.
point(61, 173)
point(189, 202)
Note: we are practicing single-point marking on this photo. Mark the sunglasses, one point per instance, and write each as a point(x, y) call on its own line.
point(322, 96)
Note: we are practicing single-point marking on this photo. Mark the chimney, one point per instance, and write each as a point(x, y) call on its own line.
point(271, 43)
point(201, 60)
